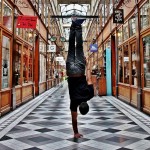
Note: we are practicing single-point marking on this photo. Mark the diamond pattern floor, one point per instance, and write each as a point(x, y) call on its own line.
point(107, 126)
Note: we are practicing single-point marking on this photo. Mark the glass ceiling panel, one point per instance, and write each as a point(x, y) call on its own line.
point(71, 9)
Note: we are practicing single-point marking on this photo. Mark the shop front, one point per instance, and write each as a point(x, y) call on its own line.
point(134, 59)
point(6, 26)
point(145, 72)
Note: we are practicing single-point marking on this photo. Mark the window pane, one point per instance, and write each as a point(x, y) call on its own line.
point(125, 32)
point(42, 61)
point(7, 17)
point(132, 26)
point(25, 65)
point(119, 36)
point(5, 62)
point(30, 66)
point(120, 52)
point(18, 64)
point(146, 49)
point(134, 64)
point(126, 64)
point(144, 15)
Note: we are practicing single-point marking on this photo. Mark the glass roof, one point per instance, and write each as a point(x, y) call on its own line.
point(69, 10)
point(73, 9)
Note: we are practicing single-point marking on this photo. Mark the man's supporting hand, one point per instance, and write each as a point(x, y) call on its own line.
point(78, 135)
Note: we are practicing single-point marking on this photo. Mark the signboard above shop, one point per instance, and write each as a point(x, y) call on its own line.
point(60, 59)
point(51, 48)
point(93, 48)
point(118, 16)
point(26, 22)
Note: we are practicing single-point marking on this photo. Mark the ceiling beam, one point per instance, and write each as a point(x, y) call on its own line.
point(78, 16)
point(74, 1)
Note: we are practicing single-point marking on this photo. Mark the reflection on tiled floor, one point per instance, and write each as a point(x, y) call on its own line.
point(105, 127)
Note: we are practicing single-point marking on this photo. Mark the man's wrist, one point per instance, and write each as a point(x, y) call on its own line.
point(75, 132)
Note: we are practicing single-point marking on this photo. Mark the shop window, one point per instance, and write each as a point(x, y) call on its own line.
point(120, 36)
point(19, 32)
point(49, 66)
point(25, 64)
point(120, 69)
point(132, 26)
point(125, 32)
point(25, 35)
point(5, 62)
point(144, 15)
point(42, 61)
point(134, 64)
point(30, 36)
point(30, 65)
point(146, 65)
point(126, 64)
point(17, 72)
point(7, 16)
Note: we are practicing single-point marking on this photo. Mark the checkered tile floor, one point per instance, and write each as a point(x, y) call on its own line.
point(45, 124)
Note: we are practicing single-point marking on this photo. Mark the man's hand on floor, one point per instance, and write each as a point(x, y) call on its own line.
point(78, 135)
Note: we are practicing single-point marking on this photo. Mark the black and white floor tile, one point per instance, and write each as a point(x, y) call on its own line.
point(45, 124)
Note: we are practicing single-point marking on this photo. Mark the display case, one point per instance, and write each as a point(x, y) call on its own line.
point(17, 72)
point(134, 64)
point(30, 65)
point(5, 61)
point(146, 65)
point(25, 64)
point(126, 63)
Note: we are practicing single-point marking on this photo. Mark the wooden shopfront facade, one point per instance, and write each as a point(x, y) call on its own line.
point(130, 53)
point(134, 57)
point(25, 67)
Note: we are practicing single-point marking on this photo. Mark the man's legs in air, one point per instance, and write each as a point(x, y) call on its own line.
point(75, 64)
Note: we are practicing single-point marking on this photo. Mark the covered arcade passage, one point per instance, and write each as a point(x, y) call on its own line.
point(34, 98)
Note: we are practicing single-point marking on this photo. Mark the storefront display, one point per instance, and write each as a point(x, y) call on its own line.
point(125, 31)
point(42, 61)
point(30, 65)
point(146, 65)
point(134, 64)
point(17, 72)
point(5, 61)
point(144, 15)
point(7, 16)
point(132, 26)
point(120, 52)
point(126, 63)
point(25, 64)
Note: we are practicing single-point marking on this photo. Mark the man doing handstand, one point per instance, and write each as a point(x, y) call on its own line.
point(80, 86)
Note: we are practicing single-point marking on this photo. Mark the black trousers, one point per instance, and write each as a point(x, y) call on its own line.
point(75, 63)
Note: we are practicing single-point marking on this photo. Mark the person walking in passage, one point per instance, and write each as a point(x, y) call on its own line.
point(80, 86)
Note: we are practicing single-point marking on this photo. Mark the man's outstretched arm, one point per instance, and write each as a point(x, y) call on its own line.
point(75, 125)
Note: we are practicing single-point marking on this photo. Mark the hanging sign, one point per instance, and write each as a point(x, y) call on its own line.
point(118, 16)
point(51, 48)
point(59, 58)
point(26, 22)
point(93, 48)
